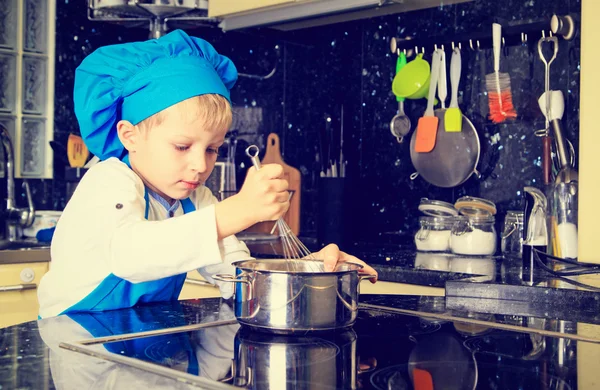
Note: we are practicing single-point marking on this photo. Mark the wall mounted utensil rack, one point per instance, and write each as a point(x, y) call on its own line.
point(512, 35)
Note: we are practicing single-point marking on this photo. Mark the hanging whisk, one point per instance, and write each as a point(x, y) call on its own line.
point(293, 249)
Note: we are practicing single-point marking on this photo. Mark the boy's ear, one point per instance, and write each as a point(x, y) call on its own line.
point(129, 135)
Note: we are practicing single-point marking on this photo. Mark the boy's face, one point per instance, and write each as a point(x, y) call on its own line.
point(176, 156)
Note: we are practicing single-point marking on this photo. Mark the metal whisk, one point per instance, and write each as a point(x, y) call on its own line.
point(293, 249)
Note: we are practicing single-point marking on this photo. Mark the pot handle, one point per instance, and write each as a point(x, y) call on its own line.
point(229, 278)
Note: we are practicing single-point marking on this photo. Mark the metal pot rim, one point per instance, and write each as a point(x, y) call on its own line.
point(240, 264)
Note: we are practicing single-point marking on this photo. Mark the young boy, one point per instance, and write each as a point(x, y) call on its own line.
point(155, 114)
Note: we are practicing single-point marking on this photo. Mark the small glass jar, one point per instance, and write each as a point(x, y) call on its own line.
point(512, 234)
point(434, 234)
point(475, 235)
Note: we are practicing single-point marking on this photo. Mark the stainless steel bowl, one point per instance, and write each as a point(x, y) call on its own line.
point(273, 296)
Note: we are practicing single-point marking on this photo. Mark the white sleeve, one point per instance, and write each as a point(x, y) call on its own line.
point(231, 250)
point(110, 204)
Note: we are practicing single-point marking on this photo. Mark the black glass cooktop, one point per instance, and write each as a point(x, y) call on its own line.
point(383, 350)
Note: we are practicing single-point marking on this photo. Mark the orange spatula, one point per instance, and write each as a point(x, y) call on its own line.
point(428, 124)
point(422, 379)
point(77, 152)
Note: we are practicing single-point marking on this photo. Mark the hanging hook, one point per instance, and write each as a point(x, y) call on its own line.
point(478, 47)
point(416, 50)
point(523, 38)
point(459, 46)
point(452, 45)
point(471, 44)
point(270, 74)
point(543, 34)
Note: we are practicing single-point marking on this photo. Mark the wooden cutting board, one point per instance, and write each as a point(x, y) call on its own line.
point(292, 175)
point(77, 152)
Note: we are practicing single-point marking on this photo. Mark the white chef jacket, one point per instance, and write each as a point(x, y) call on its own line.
point(102, 231)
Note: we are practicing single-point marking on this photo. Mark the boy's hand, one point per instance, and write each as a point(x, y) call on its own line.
point(263, 197)
point(265, 193)
point(332, 255)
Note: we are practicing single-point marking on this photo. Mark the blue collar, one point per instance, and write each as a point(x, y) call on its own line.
point(186, 203)
point(171, 208)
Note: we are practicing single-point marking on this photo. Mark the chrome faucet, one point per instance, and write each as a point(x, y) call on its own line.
point(12, 215)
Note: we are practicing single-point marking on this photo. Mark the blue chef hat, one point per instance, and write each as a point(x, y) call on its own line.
point(133, 81)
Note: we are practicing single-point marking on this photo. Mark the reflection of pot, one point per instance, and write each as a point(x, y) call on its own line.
point(470, 328)
point(271, 297)
point(285, 362)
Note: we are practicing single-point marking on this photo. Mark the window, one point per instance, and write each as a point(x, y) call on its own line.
point(27, 82)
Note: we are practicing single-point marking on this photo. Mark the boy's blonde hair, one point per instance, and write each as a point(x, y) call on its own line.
point(213, 111)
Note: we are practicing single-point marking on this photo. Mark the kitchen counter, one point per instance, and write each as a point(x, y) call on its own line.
point(29, 255)
point(30, 356)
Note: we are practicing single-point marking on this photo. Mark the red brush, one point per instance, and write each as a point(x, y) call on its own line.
point(498, 85)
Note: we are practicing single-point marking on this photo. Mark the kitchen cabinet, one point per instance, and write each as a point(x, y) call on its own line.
point(297, 14)
point(227, 7)
point(589, 136)
point(18, 292)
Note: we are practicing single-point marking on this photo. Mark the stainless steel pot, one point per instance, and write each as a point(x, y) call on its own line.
point(292, 362)
point(271, 297)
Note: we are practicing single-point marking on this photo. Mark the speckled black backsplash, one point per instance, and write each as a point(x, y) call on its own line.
point(350, 64)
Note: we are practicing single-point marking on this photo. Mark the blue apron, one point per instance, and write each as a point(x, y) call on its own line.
point(116, 293)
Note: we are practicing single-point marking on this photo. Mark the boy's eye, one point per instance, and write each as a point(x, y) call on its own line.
point(182, 148)
point(213, 151)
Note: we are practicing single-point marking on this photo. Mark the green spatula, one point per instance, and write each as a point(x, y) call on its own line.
point(453, 115)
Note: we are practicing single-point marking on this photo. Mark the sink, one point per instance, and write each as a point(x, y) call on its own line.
point(22, 245)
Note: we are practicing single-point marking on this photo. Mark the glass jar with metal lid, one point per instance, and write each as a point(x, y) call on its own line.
point(435, 226)
point(473, 232)
point(512, 234)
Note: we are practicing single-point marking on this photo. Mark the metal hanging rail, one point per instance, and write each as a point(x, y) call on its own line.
point(512, 35)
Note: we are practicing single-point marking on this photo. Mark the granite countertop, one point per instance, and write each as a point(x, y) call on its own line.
point(30, 356)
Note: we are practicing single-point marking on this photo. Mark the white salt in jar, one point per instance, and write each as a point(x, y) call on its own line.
point(434, 234)
point(474, 236)
point(435, 226)
point(473, 232)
